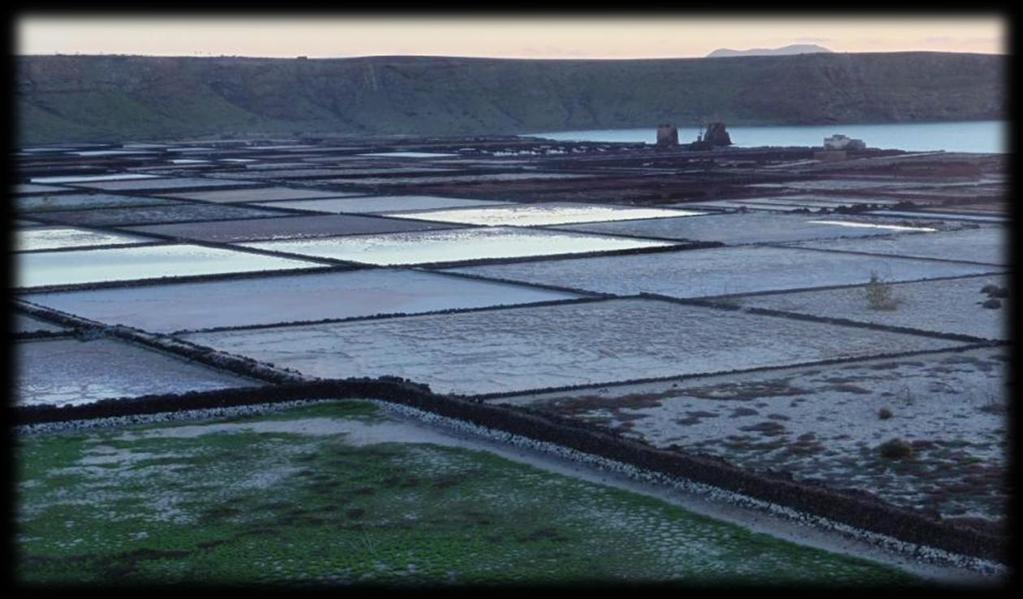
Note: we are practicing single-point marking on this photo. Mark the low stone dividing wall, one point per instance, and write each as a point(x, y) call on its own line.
point(387, 389)
point(98, 246)
point(875, 326)
point(393, 315)
point(487, 397)
point(240, 365)
point(30, 335)
point(862, 512)
point(489, 279)
point(723, 304)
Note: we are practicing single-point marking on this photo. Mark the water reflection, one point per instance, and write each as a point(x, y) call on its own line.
point(452, 245)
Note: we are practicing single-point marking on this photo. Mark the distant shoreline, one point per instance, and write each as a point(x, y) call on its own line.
point(63, 99)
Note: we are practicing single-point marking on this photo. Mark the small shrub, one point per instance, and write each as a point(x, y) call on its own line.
point(990, 287)
point(879, 294)
point(1000, 292)
point(994, 408)
point(992, 304)
point(884, 414)
point(896, 449)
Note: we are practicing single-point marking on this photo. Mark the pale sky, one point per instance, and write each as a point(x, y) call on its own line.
point(514, 36)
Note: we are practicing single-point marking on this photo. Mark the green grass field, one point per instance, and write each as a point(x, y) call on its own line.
point(311, 494)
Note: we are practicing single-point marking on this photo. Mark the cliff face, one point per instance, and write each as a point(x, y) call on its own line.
point(111, 98)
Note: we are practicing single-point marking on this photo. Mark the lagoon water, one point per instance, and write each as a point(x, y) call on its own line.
point(452, 245)
point(972, 136)
point(77, 267)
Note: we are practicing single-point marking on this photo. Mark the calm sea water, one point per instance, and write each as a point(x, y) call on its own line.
point(972, 136)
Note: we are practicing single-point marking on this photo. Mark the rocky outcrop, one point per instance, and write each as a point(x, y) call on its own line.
point(667, 136)
point(716, 135)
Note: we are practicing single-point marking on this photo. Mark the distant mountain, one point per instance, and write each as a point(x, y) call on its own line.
point(64, 99)
point(783, 51)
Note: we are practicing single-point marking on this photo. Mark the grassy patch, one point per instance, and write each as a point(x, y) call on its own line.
point(237, 505)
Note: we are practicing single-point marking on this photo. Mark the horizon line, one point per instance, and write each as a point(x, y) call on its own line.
point(488, 57)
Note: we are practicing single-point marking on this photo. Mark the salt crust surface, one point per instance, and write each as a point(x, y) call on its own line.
point(516, 349)
point(721, 271)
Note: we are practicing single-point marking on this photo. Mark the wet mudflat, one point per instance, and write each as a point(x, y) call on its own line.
point(83, 201)
point(382, 204)
point(260, 194)
point(35, 188)
point(24, 323)
point(160, 184)
point(76, 371)
point(954, 306)
point(85, 179)
point(286, 227)
point(827, 424)
point(796, 202)
point(287, 298)
point(987, 245)
point(55, 238)
point(452, 178)
point(165, 212)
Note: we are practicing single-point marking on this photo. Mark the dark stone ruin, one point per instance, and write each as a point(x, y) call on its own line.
point(717, 135)
point(714, 136)
point(667, 135)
